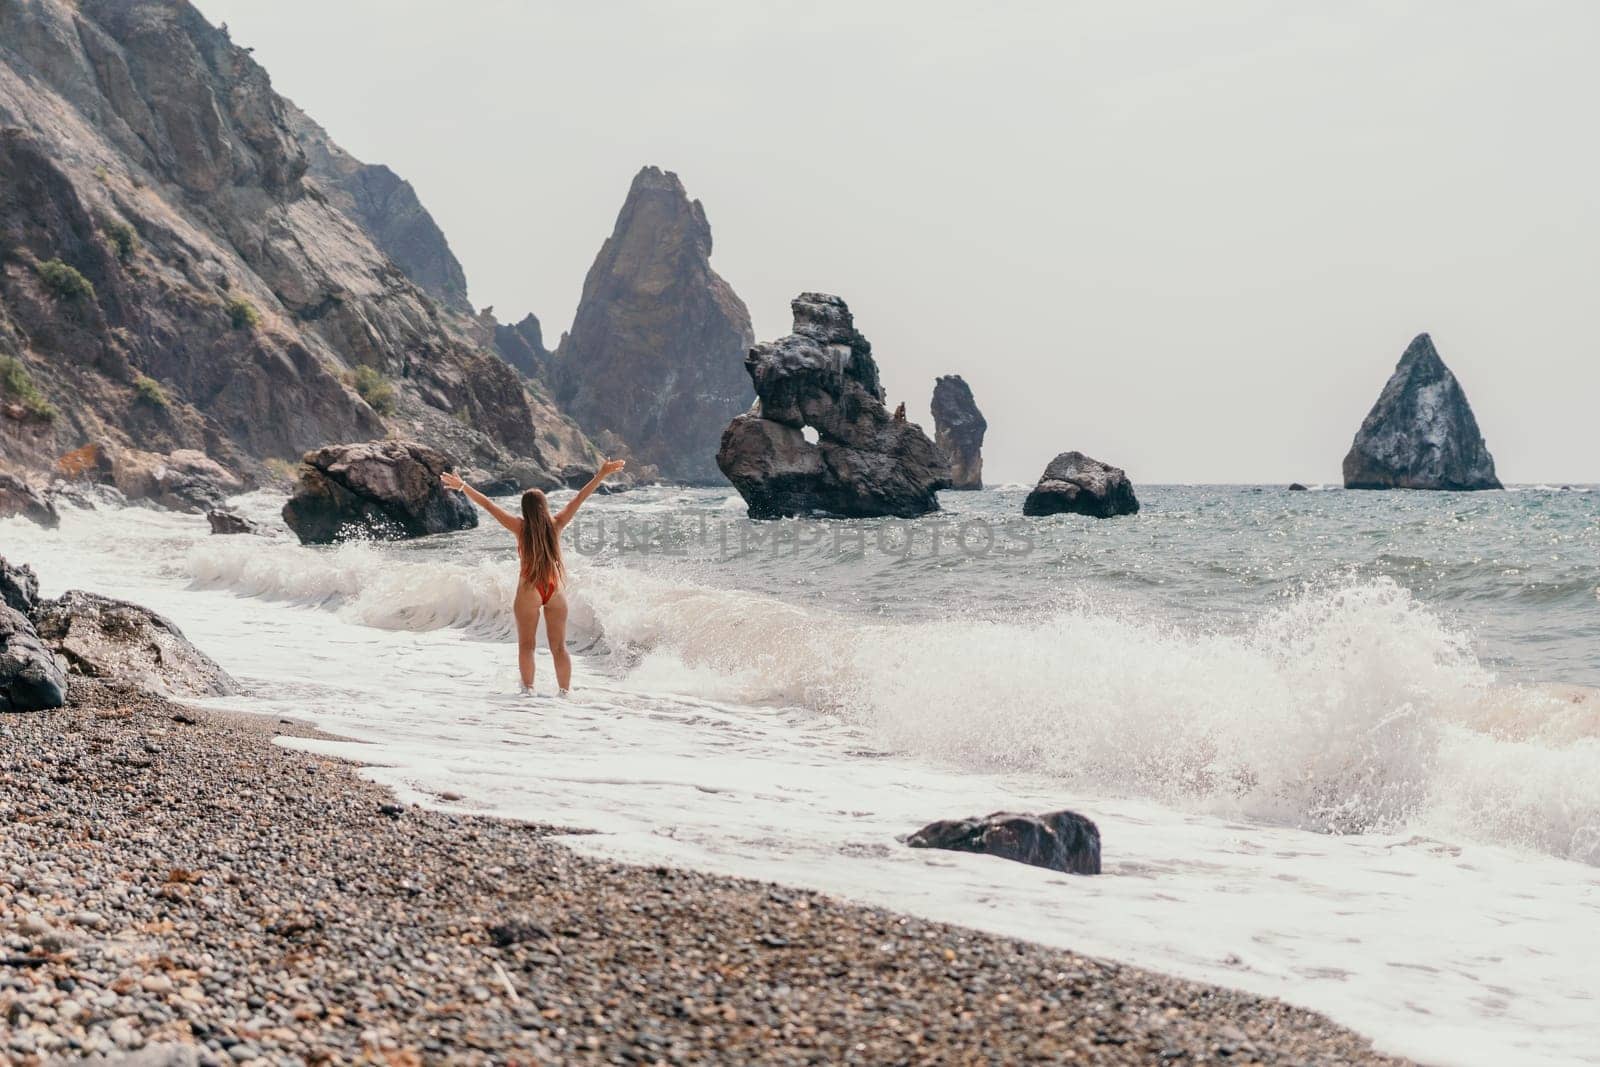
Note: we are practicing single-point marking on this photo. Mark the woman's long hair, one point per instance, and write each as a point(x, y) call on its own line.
point(539, 543)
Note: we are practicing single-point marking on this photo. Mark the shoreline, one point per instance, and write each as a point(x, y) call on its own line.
point(173, 881)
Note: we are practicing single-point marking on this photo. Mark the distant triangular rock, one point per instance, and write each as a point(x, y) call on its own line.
point(656, 351)
point(1421, 433)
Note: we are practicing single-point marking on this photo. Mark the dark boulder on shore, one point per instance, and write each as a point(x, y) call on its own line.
point(19, 587)
point(1075, 483)
point(958, 429)
point(388, 490)
point(1060, 840)
point(31, 678)
point(112, 639)
point(17, 497)
point(1296, 487)
point(864, 463)
point(1421, 434)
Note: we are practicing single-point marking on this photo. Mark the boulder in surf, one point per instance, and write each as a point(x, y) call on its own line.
point(17, 497)
point(1075, 483)
point(1060, 840)
point(384, 490)
point(864, 463)
point(1421, 433)
point(230, 522)
point(112, 639)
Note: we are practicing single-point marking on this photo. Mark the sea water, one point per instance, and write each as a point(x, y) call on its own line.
point(1343, 748)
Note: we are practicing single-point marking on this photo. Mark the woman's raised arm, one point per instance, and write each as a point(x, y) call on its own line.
point(610, 466)
point(511, 522)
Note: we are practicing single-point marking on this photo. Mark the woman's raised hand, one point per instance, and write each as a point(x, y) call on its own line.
point(452, 480)
point(612, 466)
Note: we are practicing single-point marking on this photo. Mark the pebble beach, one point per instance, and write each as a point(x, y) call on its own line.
point(177, 889)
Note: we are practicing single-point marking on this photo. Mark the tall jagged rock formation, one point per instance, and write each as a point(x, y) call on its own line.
point(1421, 434)
point(656, 351)
point(865, 462)
point(170, 278)
point(388, 210)
point(958, 429)
point(521, 344)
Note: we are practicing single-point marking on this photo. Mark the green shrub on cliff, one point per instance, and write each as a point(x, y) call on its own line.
point(150, 390)
point(123, 239)
point(375, 389)
point(17, 383)
point(243, 314)
point(64, 281)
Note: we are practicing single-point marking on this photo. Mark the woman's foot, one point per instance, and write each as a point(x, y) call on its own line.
point(525, 691)
point(563, 693)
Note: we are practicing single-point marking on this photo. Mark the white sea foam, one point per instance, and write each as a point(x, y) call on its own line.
point(1343, 711)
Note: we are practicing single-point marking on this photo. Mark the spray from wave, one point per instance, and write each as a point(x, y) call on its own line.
point(1345, 710)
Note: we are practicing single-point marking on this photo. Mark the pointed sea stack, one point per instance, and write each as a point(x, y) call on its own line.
point(656, 352)
point(1421, 433)
point(958, 429)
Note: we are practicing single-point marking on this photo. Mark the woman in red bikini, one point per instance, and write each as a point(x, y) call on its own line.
point(540, 584)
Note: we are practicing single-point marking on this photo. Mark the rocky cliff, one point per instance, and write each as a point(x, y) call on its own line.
point(171, 276)
point(656, 351)
point(958, 429)
point(1421, 434)
point(521, 344)
point(864, 462)
point(387, 208)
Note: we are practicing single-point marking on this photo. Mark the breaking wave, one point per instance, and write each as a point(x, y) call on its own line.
point(1344, 710)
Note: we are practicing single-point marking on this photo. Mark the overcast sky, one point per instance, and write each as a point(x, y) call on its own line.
point(1189, 239)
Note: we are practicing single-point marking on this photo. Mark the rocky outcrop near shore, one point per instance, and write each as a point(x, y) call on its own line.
point(656, 350)
point(1060, 840)
point(17, 497)
point(385, 490)
point(176, 272)
point(19, 587)
point(182, 480)
point(114, 640)
point(864, 463)
point(1421, 434)
point(958, 429)
point(31, 678)
point(1075, 483)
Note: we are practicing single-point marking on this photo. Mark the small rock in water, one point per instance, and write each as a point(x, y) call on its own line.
point(228, 522)
point(1076, 483)
point(1060, 840)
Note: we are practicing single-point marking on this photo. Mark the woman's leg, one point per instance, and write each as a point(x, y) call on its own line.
point(526, 611)
point(555, 631)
